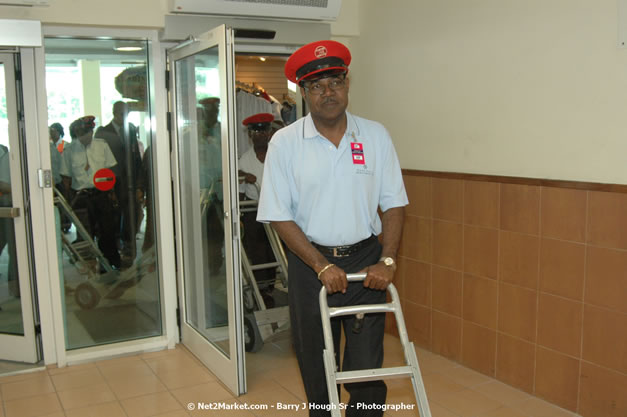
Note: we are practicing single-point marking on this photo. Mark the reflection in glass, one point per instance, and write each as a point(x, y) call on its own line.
point(10, 306)
point(200, 160)
point(106, 234)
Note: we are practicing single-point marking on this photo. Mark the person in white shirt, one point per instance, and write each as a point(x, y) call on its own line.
point(97, 210)
point(255, 240)
point(326, 178)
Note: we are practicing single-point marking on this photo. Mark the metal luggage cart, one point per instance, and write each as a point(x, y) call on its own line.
point(101, 279)
point(334, 377)
point(260, 322)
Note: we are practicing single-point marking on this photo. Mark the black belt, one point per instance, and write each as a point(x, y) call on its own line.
point(87, 191)
point(343, 251)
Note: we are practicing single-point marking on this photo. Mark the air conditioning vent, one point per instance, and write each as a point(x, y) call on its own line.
point(325, 10)
point(25, 3)
point(303, 3)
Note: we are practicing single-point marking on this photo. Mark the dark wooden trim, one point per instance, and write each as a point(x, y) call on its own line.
point(578, 185)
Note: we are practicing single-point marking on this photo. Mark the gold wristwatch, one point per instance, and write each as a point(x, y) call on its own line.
point(388, 261)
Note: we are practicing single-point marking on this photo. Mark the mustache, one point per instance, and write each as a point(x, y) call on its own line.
point(329, 100)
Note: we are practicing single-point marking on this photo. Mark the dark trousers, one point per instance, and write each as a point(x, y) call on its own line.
point(362, 351)
point(129, 217)
point(98, 213)
point(258, 249)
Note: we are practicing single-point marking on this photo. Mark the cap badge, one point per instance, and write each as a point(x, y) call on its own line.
point(320, 52)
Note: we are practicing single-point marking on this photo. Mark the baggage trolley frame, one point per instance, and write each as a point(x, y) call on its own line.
point(334, 377)
point(87, 257)
point(262, 323)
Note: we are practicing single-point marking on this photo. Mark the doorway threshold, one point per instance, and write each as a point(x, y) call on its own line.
point(8, 368)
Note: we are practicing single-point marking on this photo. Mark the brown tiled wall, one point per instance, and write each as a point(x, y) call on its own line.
point(525, 283)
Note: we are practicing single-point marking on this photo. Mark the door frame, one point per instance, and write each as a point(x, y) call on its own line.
point(46, 261)
point(20, 348)
point(231, 369)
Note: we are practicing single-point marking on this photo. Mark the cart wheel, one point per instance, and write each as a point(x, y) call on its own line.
point(249, 301)
point(86, 296)
point(252, 337)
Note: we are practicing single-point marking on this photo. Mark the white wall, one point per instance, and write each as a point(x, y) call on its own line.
point(137, 13)
point(532, 88)
point(130, 13)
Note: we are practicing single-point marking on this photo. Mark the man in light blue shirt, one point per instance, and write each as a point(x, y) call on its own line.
point(325, 177)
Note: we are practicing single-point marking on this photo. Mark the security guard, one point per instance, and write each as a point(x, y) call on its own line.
point(255, 240)
point(97, 210)
point(326, 176)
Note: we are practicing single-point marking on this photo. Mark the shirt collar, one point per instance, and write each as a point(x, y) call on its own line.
point(310, 131)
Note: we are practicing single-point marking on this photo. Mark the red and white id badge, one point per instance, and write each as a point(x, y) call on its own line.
point(357, 149)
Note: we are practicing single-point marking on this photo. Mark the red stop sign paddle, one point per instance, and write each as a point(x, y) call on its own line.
point(104, 179)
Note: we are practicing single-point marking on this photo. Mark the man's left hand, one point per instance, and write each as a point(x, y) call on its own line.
point(379, 276)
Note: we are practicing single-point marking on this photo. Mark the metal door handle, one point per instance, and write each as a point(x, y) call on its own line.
point(9, 212)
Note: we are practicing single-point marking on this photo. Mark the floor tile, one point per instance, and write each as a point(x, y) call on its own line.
point(111, 409)
point(165, 383)
point(503, 412)
point(535, 407)
point(87, 396)
point(136, 386)
point(172, 362)
point(205, 393)
point(125, 370)
point(78, 379)
point(439, 411)
point(38, 385)
point(503, 393)
point(151, 405)
point(71, 368)
point(466, 377)
point(174, 414)
point(21, 377)
point(33, 406)
point(466, 403)
point(178, 378)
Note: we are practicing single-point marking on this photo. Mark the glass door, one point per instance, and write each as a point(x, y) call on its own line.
point(202, 94)
point(17, 329)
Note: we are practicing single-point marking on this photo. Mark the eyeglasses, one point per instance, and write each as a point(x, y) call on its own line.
point(335, 84)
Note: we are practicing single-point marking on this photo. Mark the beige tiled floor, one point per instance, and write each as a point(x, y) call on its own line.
point(164, 383)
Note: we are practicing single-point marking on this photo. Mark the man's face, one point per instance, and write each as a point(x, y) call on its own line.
point(327, 97)
point(86, 137)
point(119, 113)
point(260, 138)
point(211, 115)
point(54, 134)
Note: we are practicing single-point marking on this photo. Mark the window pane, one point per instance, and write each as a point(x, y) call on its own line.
point(103, 177)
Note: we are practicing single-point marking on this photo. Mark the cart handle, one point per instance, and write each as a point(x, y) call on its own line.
point(356, 277)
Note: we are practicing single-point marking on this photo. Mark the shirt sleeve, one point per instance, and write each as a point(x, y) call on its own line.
point(64, 166)
point(275, 201)
point(393, 192)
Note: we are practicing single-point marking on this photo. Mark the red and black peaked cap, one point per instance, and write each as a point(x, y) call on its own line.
point(315, 58)
point(258, 120)
point(82, 125)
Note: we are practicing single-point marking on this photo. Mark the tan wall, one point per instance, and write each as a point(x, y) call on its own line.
point(532, 88)
point(268, 74)
point(524, 283)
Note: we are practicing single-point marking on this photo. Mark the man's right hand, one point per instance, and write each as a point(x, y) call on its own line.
point(334, 280)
